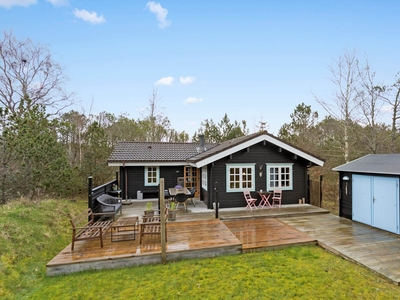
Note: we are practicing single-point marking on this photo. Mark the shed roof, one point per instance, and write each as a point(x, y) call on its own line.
point(373, 163)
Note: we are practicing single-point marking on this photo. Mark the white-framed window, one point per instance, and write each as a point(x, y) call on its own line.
point(280, 176)
point(204, 177)
point(240, 177)
point(151, 176)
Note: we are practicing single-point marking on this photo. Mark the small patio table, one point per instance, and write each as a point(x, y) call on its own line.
point(264, 199)
point(174, 191)
point(124, 229)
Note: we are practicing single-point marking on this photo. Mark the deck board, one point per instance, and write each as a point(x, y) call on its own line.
point(194, 238)
point(265, 233)
point(370, 247)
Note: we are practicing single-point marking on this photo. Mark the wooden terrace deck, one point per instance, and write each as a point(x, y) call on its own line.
point(197, 233)
point(204, 236)
point(370, 247)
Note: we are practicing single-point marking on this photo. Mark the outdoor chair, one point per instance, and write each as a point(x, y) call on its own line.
point(109, 204)
point(167, 196)
point(277, 198)
point(251, 202)
point(181, 198)
point(191, 196)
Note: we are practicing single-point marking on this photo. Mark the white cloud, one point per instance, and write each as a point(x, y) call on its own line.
point(187, 80)
point(160, 12)
point(11, 3)
point(58, 2)
point(192, 100)
point(165, 81)
point(90, 17)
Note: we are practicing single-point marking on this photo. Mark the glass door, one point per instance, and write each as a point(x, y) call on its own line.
point(191, 178)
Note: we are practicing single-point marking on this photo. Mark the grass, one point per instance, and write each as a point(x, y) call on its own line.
point(32, 234)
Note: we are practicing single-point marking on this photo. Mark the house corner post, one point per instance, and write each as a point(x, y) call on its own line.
point(320, 190)
point(216, 200)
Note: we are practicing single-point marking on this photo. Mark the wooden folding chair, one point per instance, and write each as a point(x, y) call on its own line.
point(277, 198)
point(251, 202)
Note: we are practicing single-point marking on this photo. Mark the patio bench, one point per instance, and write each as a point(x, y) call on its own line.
point(151, 225)
point(82, 229)
point(150, 194)
point(109, 204)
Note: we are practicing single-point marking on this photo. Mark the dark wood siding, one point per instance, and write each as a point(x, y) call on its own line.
point(260, 154)
point(135, 179)
point(345, 201)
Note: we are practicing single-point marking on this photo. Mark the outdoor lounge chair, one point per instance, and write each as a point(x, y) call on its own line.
point(109, 204)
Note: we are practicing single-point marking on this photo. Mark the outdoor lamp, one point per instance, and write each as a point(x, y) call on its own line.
point(346, 179)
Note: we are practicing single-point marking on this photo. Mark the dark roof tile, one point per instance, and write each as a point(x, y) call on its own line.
point(155, 151)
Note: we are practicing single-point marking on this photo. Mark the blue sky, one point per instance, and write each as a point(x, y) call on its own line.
point(254, 60)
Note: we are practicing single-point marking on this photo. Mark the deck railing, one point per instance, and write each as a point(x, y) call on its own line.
point(94, 192)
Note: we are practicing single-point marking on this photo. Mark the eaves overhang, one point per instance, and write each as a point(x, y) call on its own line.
point(147, 163)
point(280, 144)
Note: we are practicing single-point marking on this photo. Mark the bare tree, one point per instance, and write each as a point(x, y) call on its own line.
point(370, 103)
point(392, 97)
point(155, 124)
point(28, 70)
point(345, 73)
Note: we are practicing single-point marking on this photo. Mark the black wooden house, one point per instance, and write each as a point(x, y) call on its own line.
point(258, 161)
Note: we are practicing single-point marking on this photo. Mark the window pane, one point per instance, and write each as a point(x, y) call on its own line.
point(280, 176)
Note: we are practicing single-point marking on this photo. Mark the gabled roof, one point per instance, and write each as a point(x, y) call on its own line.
point(229, 147)
point(373, 163)
point(158, 153)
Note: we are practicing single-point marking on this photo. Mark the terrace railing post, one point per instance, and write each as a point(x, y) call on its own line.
point(90, 192)
point(163, 221)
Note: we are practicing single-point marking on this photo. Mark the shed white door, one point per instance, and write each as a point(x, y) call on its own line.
point(362, 195)
point(385, 203)
point(376, 201)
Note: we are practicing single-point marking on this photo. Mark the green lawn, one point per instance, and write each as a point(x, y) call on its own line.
point(32, 234)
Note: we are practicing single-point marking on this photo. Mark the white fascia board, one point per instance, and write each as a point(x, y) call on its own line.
point(138, 164)
point(256, 140)
point(295, 151)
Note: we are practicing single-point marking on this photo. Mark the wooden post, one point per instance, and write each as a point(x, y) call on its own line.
point(90, 193)
point(216, 200)
point(116, 178)
point(163, 222)
point(308, 189)
point(320, 190)
point(90, 188)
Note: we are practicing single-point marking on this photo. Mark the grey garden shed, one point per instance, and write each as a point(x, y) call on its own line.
point(369, 191)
